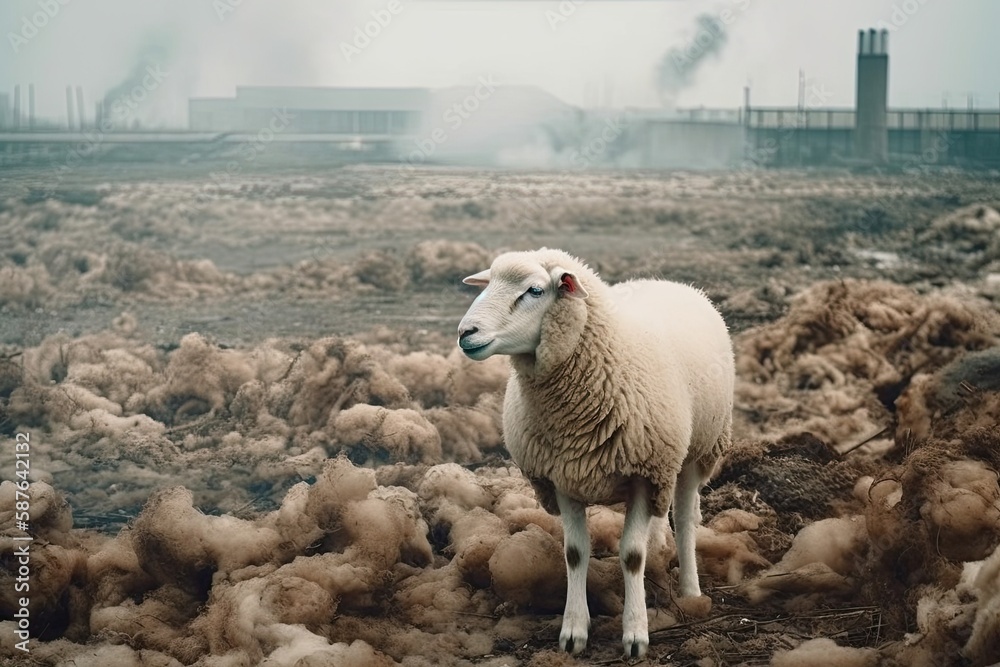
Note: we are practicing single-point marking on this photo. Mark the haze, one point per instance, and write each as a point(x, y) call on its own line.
point(604, 52)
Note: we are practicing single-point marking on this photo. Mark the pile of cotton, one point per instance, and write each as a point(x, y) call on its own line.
point(960, 398)
point(237, 426)
point(836, 363)
point(819, 566)
point(969, 236)
point(823, 652)
point(444, 261)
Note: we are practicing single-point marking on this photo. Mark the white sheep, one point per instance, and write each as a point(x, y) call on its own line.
point(620, 392)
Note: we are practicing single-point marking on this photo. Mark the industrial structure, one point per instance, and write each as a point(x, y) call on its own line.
point(523, 126)
point(810, 134)
point(358, 112)
point(871, 136)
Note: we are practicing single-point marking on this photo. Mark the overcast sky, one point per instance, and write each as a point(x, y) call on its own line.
point(601, 51)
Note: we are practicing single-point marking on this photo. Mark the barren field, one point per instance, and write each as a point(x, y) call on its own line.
point(253, 440)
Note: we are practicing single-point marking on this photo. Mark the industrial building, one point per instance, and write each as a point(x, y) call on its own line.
point(811, 134)
point(363, 112)
point(527, 127)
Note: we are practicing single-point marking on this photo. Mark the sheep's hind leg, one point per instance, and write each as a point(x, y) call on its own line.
point(576, 617)
point(687, 517)
point(632, 551)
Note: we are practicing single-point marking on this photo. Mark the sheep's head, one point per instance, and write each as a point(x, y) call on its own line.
point(508, 317)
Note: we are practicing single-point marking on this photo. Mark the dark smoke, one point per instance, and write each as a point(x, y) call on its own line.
point(154, 57)
point(679, 66)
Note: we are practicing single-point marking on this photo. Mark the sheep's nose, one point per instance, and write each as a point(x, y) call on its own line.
point(467, 332)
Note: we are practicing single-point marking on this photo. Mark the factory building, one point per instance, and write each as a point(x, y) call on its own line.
point(362, 112)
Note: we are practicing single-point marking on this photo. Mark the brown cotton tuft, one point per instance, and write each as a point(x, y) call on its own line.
point(200, 378)
point(983, 645)
point(446, 261)
point(727, 557)
point(823, 558)
point(837, 361)
point(177, 544)
point(528, 570)
point(962, 396)
point(823, 652)
point(368, 433)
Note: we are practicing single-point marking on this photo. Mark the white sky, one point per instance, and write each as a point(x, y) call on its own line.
point(605, 49)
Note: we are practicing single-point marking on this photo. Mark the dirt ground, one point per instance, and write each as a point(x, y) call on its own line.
point(253, 440)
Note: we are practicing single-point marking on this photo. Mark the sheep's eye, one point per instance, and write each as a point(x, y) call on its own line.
point(535, 291)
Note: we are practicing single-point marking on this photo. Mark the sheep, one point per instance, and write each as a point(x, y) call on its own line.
point(620, 392)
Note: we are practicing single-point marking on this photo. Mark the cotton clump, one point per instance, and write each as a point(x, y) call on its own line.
point(842, 354)
point(822, 559)
point(202, 504)
point(823, 652)
point(378, 433)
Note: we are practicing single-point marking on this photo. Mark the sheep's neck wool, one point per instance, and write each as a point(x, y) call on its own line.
point(574, 432)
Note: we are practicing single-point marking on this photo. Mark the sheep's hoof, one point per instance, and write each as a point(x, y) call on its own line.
point(572, 640)
point(635, 645)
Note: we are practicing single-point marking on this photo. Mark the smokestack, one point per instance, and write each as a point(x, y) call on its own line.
point(98, 114)
point(80, 107)
point(31, 106)
point(69, 108)
point(17, 107)
point(871, 133)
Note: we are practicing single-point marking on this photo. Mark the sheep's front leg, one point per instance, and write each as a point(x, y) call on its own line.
point(632, 551)
point(576, 617)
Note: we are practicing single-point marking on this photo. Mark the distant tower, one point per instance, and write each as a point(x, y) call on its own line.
point(80, 116)
point(17, 107)
point(871, 132)
point(70, 124)
point(31, 106)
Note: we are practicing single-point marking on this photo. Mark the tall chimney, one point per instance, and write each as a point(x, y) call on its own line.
point(31, 106)
point(871, 133)
point(69, 108)
point(17, 107)
point(79, 107)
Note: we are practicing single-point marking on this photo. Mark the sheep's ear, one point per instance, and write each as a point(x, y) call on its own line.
point(569, 285)
point(481, 279)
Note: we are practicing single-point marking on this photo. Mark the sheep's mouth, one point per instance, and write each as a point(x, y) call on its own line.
point(473, 351)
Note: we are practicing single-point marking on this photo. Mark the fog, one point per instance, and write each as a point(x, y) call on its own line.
point(587, 53)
